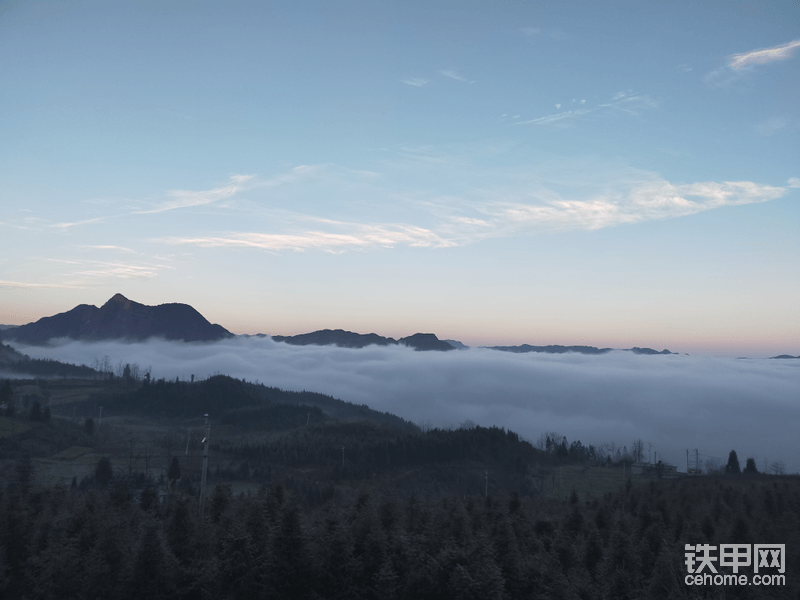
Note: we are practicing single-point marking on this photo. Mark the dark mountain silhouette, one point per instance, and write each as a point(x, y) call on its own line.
point(120, 318)
point(425, 341)
point(457, 345)
point(636, 350)
point(551, 349)
point(348, 339)
point(564, 349)
point(335, 337)
point(784, 356)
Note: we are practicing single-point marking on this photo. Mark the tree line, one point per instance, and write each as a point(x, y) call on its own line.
point(118, 541)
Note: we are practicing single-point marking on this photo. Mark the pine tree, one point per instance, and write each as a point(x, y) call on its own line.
point(732, 468)
point(750, 467)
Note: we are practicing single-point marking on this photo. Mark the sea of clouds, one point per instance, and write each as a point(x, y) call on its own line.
point(672, 402)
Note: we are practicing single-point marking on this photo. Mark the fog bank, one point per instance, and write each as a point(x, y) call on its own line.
point(673, 402)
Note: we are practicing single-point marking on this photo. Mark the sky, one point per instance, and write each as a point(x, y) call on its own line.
point(614, 174)
point(672, 403)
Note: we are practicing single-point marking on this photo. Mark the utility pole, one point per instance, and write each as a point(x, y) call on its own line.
point(205, 469)
point(687, 460)
point(486, 474)
point(697, 461)
point(188, 437)
point(100, 420)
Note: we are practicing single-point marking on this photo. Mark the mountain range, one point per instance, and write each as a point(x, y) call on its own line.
point(120, 318)
point(124, 319)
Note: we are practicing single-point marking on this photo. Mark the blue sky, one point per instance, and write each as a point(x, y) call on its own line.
point(614, 174)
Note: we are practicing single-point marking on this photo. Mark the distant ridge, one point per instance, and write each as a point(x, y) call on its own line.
point(551, 349)
point(120, 318)
point(564, 349)
point(335, 337)
point(348, 339)
point(784, 356)
point(636, 350)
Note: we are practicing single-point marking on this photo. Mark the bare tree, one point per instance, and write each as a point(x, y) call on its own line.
point(548, 440)
point(135, 372)
point(638, 450)
point(105, 366)
point(777, 467)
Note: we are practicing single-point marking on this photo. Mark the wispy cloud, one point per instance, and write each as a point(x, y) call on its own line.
point(641, 201)
point(26, 284)
point(495, 213)
point(189, 198)
point(107, 247)
point(414, 81)
point(84, 271)
point(454, 75)
point(350, 237)
point(763, 55)
point(556, 117)
point(117, 270)
point(77, 223)
point(794, 182)
point(737, 64)
point(236, 184)
point(626, 102)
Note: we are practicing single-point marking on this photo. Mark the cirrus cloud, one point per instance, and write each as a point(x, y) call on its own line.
point(763, 55)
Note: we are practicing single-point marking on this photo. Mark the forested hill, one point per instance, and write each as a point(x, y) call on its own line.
point(21, 364)
point(247, 406)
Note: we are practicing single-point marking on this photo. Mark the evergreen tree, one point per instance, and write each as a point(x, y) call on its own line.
point(152, 577)
point(750, 467)
point(732, 468)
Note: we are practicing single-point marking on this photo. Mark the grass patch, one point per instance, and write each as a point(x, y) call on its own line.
point(9, 427)
point(72, 453)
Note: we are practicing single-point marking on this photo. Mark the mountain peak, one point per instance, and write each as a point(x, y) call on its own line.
point(120, 318)
point(118, 298)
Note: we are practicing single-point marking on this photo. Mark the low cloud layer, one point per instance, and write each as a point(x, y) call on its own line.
point(673, 402)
